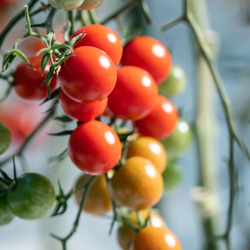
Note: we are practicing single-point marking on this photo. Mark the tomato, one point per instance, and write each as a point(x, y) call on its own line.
point(150, 54)
point(171, 176)
point(6, 214)
point(28, 81)
point(94, 147)
point(175, 82)
point(79, 110)
point(32, 197)
point(97, 199)
point(126, 235)
point(101, 37)
point(88, 76)
point(91, 4)
point(65, 4)
point(134, 95)
point(149, 148)
point(159, 238)
point(5, 138)
point(161, 120)
point(180, 140)
point(137, 184)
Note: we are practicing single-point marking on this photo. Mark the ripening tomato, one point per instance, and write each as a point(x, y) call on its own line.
point(137, 184)
point(134, 95)
point(28, 81)
point(5, 137)
point(159, 238)
point(81, 111)
point(32, 197)
point(97, 200)
point(65, 4)
point(91, 4)
point(94, 147)
point(149, 148)
point(89, 75)
point(161, 120)
point(103, 38)
point(150, 54)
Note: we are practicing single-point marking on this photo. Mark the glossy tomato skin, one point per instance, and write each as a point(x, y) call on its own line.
point(97, 199)
point(91, 4)
point(161, 120)
point(66, 4)
point(150, 54)
point(5, 137)
point(134, 95)
point(101, 37)
point(28, 81)
point(88, 76)
point(137, 184)
point(94, 147)
point(81, 111)
point(156, 238)
point(149, 148)
point(32, 197)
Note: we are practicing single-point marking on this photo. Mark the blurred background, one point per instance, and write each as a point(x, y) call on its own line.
point(229, 24)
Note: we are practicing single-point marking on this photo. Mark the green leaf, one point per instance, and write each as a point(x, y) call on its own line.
point(44, 61)
point(63, 118)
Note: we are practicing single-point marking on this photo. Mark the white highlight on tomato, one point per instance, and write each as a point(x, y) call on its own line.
point(167, 107)
point(104, 61)
point(155, 148)
point(170, 240)
point(158, 50)
point(156, 222)
point(112, 38)
point(109, 137)
point(146, 81)
point(150, 171)
point(183, 127)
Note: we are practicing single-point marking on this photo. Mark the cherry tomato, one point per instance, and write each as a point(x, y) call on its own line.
point(126, 235)
point(149, 148)
point(101, 37)
point(6, 214)
point(65, 4)
point(180, 140)
point(79, 110)
point(150, 54)
point(174, 83)
point(91, 4)
point(134, 95)
point(97, 199)
point(94, 147)
point(161, 120)
point(5, 138)
point(28, 81)
point(88, 76)
point(32, 197)
point(137, 184)
point(159, 238)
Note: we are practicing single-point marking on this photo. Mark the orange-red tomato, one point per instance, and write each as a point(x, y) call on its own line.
point(137, 184)
point(150, 54)
point(97, 199)
point(161, 120)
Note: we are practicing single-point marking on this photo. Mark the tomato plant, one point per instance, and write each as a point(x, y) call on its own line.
point(97, 154)
point(32, 196)
point(134, 95)
point(5, 138)
point(91, 4)
point(66, 4)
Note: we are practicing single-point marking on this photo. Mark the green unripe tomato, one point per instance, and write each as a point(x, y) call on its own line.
point(6, 214)
point(175, 83)
point(65, 4)
point(172, 176)
point(5, 138)
point(179, 141)
point(32, 197)
point(91, 4)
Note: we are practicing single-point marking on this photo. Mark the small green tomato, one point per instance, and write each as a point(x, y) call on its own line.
point(5, 138)
point(91, 4)
point(65, 4)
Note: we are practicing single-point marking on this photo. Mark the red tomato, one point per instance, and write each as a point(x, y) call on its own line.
point(134, 95)
point(101, 37)
point(161, 120)
point(27, 81)
point(149, 54)
point(94, 147)
point(81, 111)
point(89, 75)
